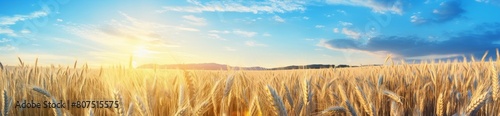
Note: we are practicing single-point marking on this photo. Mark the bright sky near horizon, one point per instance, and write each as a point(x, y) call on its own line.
point(245, 32)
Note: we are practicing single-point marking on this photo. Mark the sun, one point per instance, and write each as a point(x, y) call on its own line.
point(141, 52)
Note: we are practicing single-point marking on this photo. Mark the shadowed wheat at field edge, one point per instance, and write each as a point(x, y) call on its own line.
point(430, 88)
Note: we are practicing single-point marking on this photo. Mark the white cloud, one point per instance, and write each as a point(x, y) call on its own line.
point(7, 31)
point(13, 19)
point(417, 19)
point(219, 31)
point(278, 19)
point(351, 33)
point(253, 44)
point(319, 26)
point(342, 12)
point(273, 6)
point(309, 39)
point(215, 36)
point(4, 40)
point(266, 35)
point(25, 31)
point(376, 6)
point(229, 49)
point(336, 30)
point(7, 48)
point(59, 20)
point(345, 23)
point(305, 18)
point(244, 33)
point(6, 21)
point(195, 20)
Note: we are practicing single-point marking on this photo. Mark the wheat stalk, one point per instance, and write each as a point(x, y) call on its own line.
point(130, 111)
point(191, 87)
point(229, 83)
point(362, 100)
point(288, 95)
point(393, 96)
point(334, 109)
point(119, 98)
point(439, 105)
point(477, 103)
point(495, 82)
point(394, 109)
point(1, 66)
point(181, 112)
point(57, 111)
point(202, 108)
point(4, 102)
point(342, 93)
point(351, 108)
point(276, 101)
point(306, 91)
point(142, 106)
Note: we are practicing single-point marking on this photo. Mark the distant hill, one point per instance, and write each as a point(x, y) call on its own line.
point(201, 66)
point(311, 66)
point(214, 66)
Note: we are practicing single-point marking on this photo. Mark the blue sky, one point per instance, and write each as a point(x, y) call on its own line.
point(245, 33)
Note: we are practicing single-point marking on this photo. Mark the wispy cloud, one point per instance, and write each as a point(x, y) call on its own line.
point(351, 33)
point(345, 23)
point(6, 20)
point(3, 40)
point(254, 44)
point(126, 35)
point(446, 11)
point(7, 47)
point(7, 31)
point(319, 26)
point(380, 6)
point(215, 36)
point(266, 35)
point(220, 31)
point(417, 19)
point(475, 41)
point(244, 33)
point(273, 6)
point(278, 19)
point(229, 49)
point(198, 21)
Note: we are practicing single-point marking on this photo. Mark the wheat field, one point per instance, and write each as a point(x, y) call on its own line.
point(442, 88)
